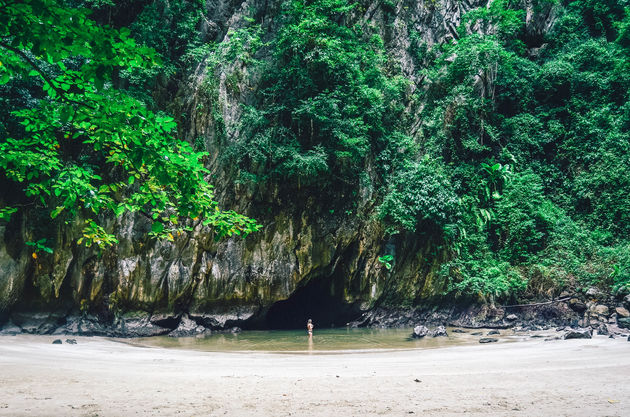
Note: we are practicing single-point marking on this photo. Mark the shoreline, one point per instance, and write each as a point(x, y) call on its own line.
point(601, 312)
point(110, 377)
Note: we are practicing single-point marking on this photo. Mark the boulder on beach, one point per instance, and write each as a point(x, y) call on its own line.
point(188, 327)
point(577, 305)
point(10, 329)
point(488, 340)
point(613, 318)
point(601, 310)
point(419, 331)
point(578, 334)
point(602, 330)
point(439, 331)
point(624, 322)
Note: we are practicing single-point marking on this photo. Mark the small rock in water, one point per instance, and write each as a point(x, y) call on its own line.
point(476, 334)
point(491, 332)
point(458, 331)
point(71, 341)
point(235, 330)
point(578, 334)
point(439, 331)
point(420, 331)
point(57, 342)
point(488, 340)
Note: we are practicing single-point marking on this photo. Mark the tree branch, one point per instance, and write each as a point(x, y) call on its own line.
point(45, 76)
point(538, 304)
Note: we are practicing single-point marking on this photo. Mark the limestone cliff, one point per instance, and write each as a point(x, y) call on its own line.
point(306, 262)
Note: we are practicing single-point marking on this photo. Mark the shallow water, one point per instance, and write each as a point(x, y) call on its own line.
point(323, 340)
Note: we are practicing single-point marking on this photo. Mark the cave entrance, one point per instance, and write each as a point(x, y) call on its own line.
point(320, 300)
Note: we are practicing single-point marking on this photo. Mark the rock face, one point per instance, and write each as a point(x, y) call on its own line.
point(305, 261)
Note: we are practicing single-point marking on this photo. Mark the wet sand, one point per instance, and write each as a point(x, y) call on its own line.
point(108, 378)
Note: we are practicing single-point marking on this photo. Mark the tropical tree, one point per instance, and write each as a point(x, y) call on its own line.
point(80, 148)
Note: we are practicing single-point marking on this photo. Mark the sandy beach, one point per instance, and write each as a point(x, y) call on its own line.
point(101, 377)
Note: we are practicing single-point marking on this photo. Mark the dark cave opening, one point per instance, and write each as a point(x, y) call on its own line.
point(320, 300)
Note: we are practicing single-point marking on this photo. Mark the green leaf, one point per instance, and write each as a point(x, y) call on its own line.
point(66, 113)
point(56, 212)
point(157, 227)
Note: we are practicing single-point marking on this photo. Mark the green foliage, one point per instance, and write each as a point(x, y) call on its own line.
point(478, 273)
point(325, 101)
point(498, 19)
point(386, 260)
point(172, 30)
point(39, 246)
point(6, 212)
point(554, 211)
point(523, 218)
point(620, 274)
point(93, 234)
point(85, 148)
point(419, 197)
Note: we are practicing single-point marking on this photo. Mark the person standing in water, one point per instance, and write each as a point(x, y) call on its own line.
point(309, 327)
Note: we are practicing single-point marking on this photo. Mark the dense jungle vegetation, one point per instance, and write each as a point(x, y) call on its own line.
point(512, 149)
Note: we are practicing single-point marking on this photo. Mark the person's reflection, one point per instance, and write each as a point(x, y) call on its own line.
point(310, 342)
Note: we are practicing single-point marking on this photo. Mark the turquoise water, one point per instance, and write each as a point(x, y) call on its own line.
point(323, 340)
